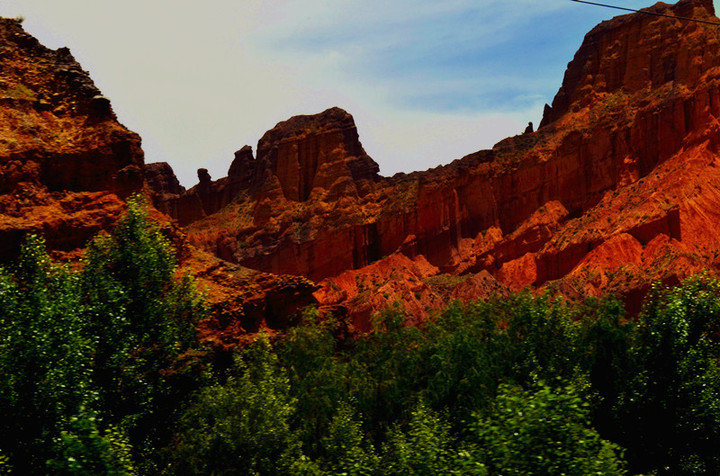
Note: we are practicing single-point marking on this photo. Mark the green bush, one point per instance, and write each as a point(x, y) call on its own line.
point(144, 320)
point(540, 339)
point(668, 415)
point(424, 447)
point(82, 450)
point(464, 359)
point(318, 378)
point(45, 356)
point(346, 447)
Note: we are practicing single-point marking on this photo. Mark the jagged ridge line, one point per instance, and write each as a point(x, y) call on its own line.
point(645, 12)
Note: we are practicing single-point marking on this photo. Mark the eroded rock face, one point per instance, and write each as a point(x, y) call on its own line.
point(315, 157)
point(619, 187)
point(244, 301)
point(632, 53)
point(320, 153)
point(55, 126)
point(162, 180)
point(65, 161)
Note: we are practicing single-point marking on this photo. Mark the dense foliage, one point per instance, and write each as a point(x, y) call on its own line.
point(101, 373)
point(91, 373)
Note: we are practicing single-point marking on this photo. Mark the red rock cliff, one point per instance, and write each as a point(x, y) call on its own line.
point(64, 158)
point(319, 154)
point(617, 188)
point(635, 52)
point(56, 122)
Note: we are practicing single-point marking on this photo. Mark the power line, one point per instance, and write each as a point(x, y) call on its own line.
point(646, 12)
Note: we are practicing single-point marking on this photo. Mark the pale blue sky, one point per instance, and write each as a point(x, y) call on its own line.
point(427, 81)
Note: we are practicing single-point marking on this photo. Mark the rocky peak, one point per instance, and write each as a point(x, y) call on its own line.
point(56, 125)
point(204, 177)
point(65, 161)
point(54, 79)
point(242, 168)
point(162, 180)
point(243, 163)
point(317, 151)
point(685, 8)
point(310, 156)
point(616, 190)
point(636, 52)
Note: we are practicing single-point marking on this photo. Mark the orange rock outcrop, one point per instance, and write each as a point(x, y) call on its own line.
point(65, 161)
point(618, 188)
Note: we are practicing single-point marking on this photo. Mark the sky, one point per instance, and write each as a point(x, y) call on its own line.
point(426, 81)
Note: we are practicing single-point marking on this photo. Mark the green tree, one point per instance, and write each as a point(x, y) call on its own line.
point(423, 448)
point(542, 431)
point(318, 378)
point(540, 339)
point(387, 368)
point(243, 426)
point(94, 364)
point(463, 362)
point(5, 466)
point(669, 413)
point(45, 356)
point(82, 450)
point(143, 317)
point(607, 342)
point(347, 449)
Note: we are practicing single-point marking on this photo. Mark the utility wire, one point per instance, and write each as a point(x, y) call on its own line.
point(645, 12)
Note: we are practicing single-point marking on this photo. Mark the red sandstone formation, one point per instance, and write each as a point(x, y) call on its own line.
point(243, 301)
point(619, 187)
point(56, 128)
point(64, 158)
